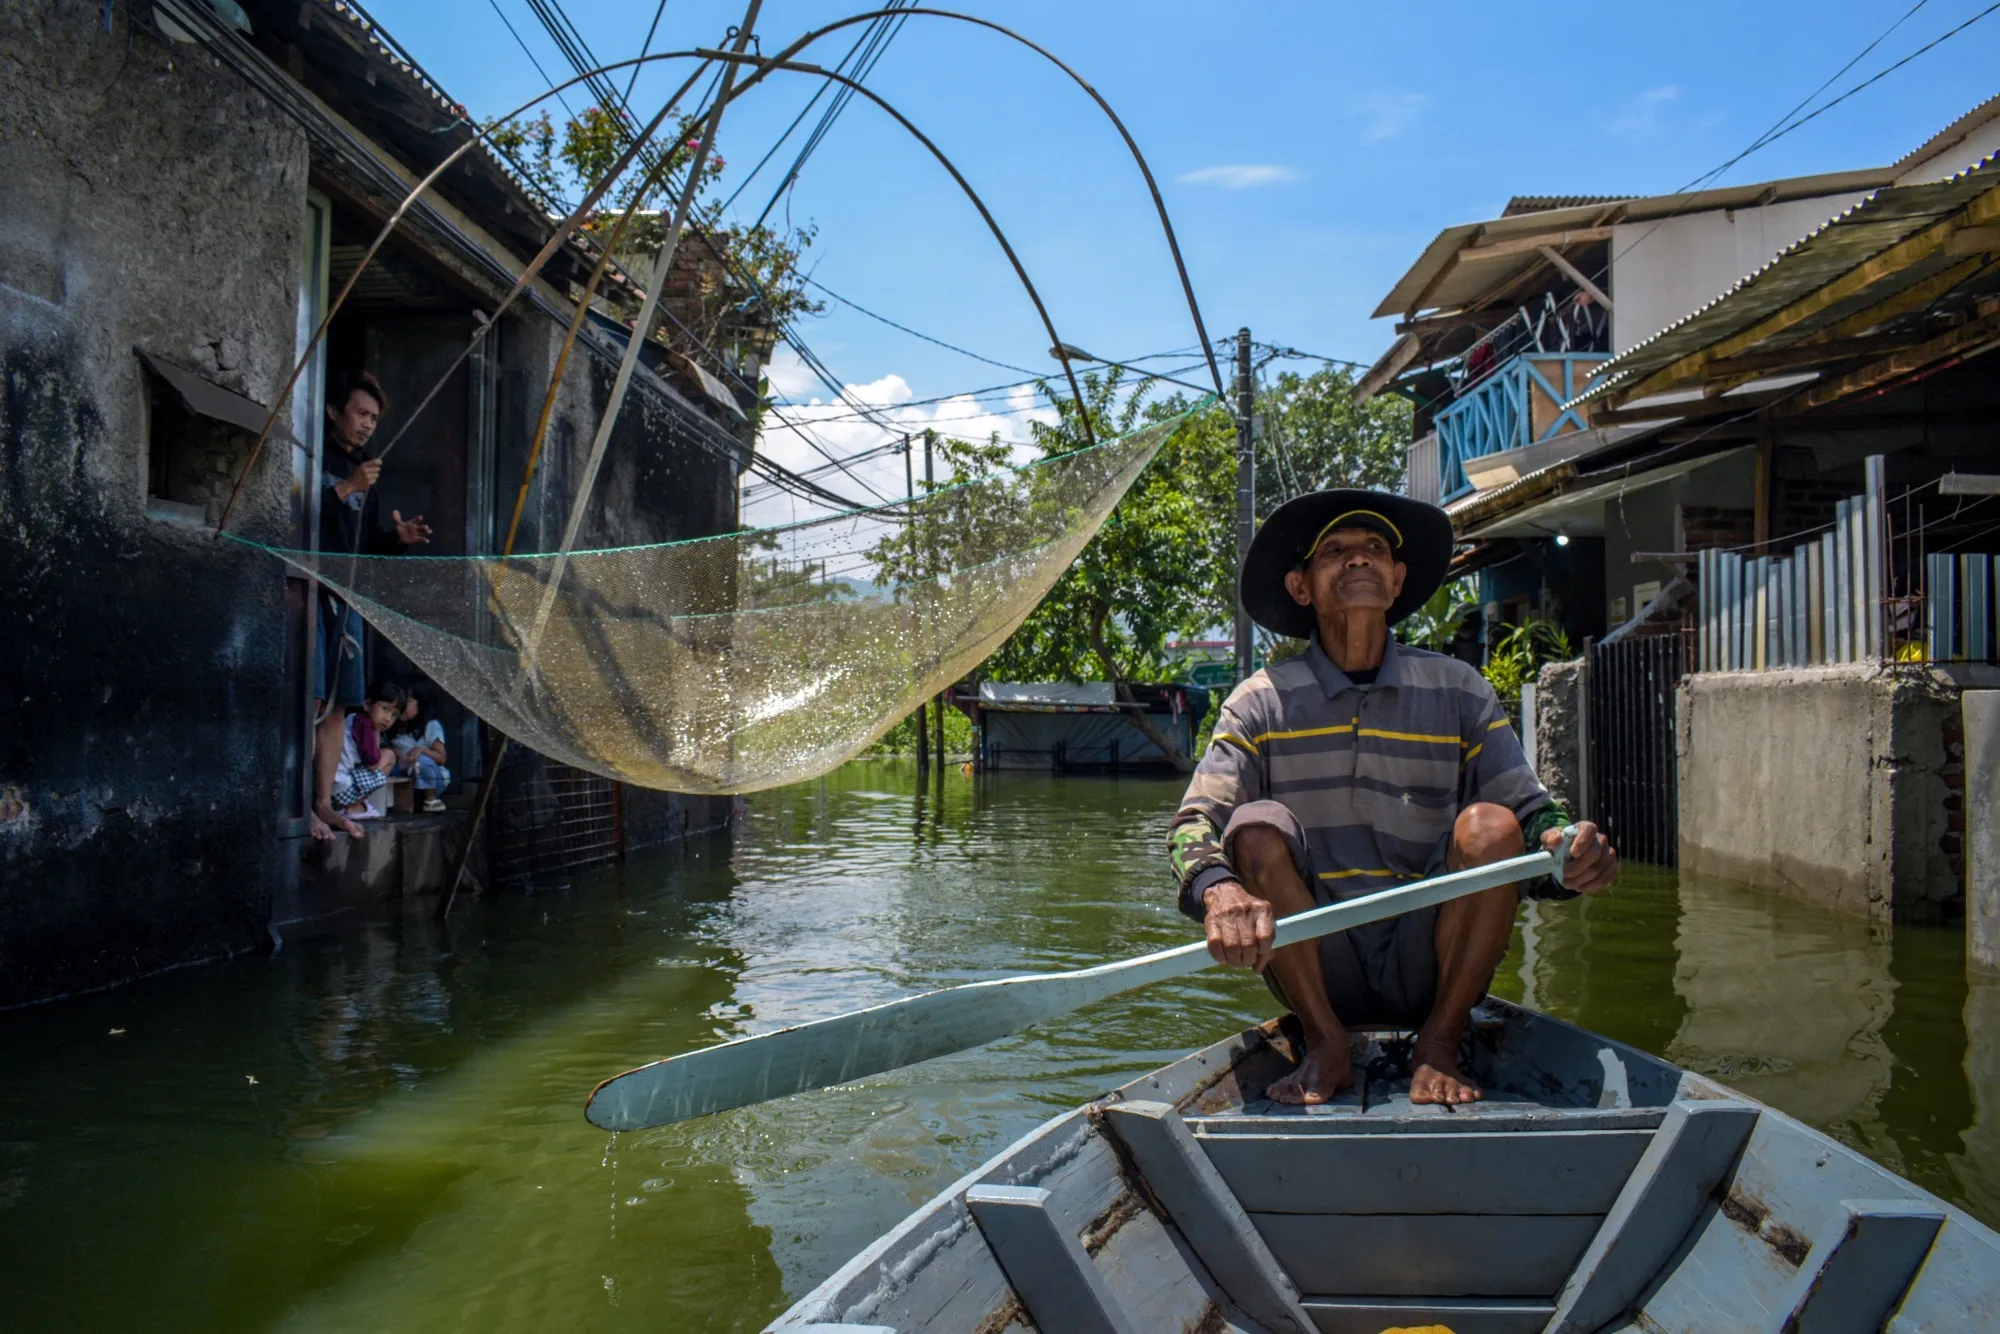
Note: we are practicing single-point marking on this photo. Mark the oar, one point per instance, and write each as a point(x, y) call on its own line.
point(937, 1023)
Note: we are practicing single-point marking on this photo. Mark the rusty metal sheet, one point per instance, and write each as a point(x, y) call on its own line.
point(206, 398)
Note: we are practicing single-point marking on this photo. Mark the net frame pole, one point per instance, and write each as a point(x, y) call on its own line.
point(641, 331)
point(920, 725)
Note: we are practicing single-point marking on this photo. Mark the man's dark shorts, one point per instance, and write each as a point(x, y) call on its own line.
point(1378, 975)
point(337, 662)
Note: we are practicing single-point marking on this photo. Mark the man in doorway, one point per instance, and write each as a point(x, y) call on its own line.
point(1356, 766)
point(349, 521)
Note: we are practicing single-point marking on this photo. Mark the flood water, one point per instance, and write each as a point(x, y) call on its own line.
point(382, 1129)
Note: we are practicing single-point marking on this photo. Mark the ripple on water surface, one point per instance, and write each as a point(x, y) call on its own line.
point(412, 1155)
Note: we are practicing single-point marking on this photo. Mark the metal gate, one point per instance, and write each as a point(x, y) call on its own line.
point(1634, 791)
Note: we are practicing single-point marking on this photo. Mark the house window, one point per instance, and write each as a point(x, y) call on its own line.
point(192, 458)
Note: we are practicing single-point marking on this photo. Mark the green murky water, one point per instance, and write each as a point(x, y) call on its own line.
point(412, 1154)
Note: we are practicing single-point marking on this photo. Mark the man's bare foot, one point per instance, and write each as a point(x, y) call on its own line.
point(1435, 1076)
point(319, 829)
point(1325, 1071)
point(330, 819)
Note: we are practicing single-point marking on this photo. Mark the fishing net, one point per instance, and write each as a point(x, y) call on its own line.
point(735, 663)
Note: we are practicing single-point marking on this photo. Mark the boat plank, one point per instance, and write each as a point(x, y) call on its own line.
point(1661, 1200)
point(1742, 1258)
point(1479, 1315)
point(1955, 1290)
point(1437, 1121)
point(1859, 1268)
point(1201, 1205)
point(1045, 1264)
point(1427, 1255)
point(1548, 1172)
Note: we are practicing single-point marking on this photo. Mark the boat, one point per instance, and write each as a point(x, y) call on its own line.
point(1596, 1188)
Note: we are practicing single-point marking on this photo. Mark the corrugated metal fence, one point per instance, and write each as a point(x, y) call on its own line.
point(1821, 604)
point(1840, 597)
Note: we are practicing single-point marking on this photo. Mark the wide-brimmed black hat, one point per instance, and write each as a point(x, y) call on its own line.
point(1419, 533)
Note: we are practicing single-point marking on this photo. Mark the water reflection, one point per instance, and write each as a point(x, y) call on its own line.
point(1870, 1034)
point(412, 1155)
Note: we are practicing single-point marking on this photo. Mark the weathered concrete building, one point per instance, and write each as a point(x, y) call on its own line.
point(1724, 435)
point(181, 197)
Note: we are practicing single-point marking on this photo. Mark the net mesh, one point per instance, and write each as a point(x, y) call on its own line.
point(736, 663)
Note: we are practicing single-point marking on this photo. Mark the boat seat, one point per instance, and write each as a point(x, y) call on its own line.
point(1477, 1218)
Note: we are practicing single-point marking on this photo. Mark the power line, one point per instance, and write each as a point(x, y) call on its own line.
point(825, 86)
point(877, 37)
point(1782, 128)
point(529, 52)
point(884, 319)
point(645, 49)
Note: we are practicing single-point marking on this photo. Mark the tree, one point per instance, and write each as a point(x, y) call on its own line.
point(1315, 437)
point(1151, 572)
point(748, 283)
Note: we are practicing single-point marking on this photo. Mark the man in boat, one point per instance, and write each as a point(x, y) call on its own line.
point(1356, 766)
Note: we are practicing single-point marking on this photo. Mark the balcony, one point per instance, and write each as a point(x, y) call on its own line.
point(1516, 404)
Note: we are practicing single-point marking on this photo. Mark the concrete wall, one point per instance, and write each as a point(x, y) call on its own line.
point(145, 198)
point(1685, 262)
point(1830, 784)
point(1981, 713)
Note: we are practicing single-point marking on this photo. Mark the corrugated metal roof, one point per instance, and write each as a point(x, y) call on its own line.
point(1471, 279)
point(1953, 134)
point(1885, 218)
point(1520, 204)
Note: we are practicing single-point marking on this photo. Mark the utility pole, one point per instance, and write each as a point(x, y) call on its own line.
point(930, 436)
point(919, 724)
point(1246, 491)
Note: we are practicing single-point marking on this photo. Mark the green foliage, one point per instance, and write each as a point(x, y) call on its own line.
point(1154, 569)
point(1163, 566)
point(1518, 655)
point(959, 737)
point(1315, 437)
point(1435, 624)
point(574, 158)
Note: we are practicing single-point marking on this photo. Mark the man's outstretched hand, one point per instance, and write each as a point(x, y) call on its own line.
point(410, 532)
point(1240, 925)
point(1593, 863)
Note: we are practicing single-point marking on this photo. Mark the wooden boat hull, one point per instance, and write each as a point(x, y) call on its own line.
point(1597, 1189)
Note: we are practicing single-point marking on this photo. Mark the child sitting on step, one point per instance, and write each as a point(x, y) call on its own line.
point(365, 765)
point(420, 754)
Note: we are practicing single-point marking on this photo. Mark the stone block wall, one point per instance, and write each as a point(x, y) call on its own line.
point(1558, 757)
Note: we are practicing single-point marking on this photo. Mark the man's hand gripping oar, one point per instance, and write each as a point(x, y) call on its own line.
point(917, 1028)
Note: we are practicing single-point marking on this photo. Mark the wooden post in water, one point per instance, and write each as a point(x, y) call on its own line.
point(930, 482)
point(919, 725)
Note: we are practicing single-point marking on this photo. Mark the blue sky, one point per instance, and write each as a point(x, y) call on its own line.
point(1307, 151)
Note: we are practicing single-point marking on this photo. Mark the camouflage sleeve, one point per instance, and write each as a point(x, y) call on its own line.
point(1230, 773)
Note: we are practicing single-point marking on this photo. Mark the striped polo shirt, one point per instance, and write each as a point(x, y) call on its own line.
point(1376, 774)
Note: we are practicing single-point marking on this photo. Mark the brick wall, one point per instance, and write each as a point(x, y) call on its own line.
point(1707, 526)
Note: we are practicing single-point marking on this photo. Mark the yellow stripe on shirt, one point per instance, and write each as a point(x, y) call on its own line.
point(1342, 875)
point(1310, 731)
point(1410, 736)
point(1231, 736)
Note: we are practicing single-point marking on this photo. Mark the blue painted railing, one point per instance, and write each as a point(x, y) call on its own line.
point(1518, 404)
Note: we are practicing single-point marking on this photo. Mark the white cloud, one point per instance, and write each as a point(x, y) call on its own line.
point(1239, 176)
point(1386, 115)
point(1641, 115)
point(841, 429)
